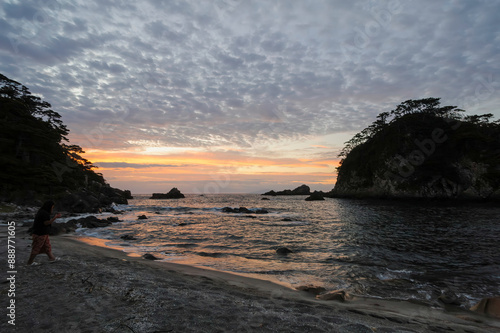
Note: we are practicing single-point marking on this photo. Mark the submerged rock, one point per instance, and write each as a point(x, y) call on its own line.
point(283, 251)
point(128, 237)
point(142, 217)
point(449, 298)
point(243, 210)
point(149, 256)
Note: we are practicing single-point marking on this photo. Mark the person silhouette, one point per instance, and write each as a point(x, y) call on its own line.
point(41, 230)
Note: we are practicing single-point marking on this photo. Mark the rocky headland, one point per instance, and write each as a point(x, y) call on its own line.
point(39, 164)
point(422, 150)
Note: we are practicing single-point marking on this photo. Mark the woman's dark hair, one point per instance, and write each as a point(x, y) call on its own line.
point(47, 206)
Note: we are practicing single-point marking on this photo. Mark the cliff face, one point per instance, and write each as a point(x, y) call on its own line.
point(422, 155)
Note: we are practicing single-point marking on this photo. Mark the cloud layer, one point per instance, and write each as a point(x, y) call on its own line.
point(255, 76)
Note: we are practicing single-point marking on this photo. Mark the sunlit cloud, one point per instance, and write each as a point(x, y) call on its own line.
point(152, 88)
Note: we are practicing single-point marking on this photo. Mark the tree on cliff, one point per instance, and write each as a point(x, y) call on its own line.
point(422, 149)
point(35, 155)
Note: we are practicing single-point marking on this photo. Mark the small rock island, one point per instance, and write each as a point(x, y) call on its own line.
point(301, 190)
point(172, 194)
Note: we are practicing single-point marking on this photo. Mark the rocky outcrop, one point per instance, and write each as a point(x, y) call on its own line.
point(301, 190)
point(92, 199)
point(73, 224)
point(466, 180)
point(283, 251)
point(424, 156)
point(243, 210)
point(172, 194)
point(316, 196)
point(149, 256)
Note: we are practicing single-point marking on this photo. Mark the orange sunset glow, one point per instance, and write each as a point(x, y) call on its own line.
point(212, 172)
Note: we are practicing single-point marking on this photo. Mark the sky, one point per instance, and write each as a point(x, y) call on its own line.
point(245, 96)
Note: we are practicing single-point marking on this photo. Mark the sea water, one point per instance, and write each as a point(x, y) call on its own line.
point(388, 249)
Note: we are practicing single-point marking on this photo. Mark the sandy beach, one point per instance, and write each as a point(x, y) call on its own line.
point(97, 289)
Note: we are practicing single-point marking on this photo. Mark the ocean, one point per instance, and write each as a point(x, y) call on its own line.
point(383, 249)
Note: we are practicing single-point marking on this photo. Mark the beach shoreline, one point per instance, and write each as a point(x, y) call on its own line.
point(99, 289)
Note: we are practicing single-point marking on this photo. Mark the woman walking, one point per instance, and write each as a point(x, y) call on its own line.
point(41, 230)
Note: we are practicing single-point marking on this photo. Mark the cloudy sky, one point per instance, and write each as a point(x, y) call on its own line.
point(242, 95)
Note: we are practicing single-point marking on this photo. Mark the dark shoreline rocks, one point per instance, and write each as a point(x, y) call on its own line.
point(71, 225)
point(93, 198)
point(174, 193)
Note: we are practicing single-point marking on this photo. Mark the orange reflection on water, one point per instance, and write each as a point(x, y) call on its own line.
point(106, 244)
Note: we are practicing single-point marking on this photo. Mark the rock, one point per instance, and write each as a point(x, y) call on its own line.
point(142, 217)
point(265, 199)
point(90, 222)
point(174, 193)
point(128, 237)
point(243, 210)
point(311, 289)
point(449, 298)
point(91, 200)
point(315, 196)
point(488, 306)
point(60, 228)
point(286, 219)
point(271, 193)
point(73, 224)
point(149, 256)
point(283, 251)
point(301, 190)
point(337, 295)
point(113, 219)
point(78, 202)
point(127, 194)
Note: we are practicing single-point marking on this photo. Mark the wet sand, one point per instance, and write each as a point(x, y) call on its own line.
point(98, 289)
